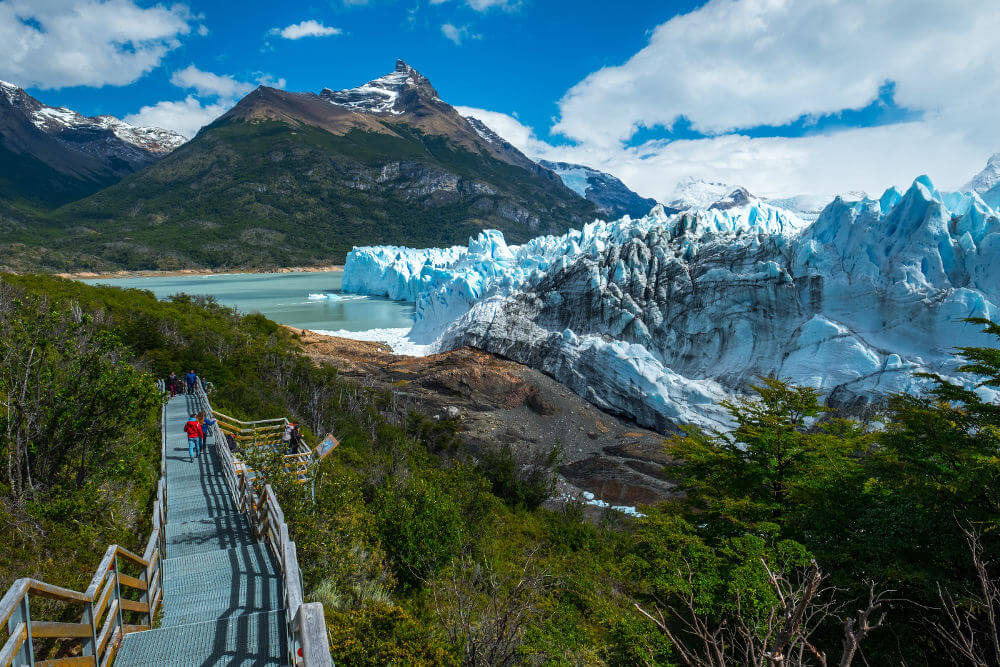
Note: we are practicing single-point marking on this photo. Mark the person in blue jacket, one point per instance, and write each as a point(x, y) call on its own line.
point(207, 422)
point(190, 378)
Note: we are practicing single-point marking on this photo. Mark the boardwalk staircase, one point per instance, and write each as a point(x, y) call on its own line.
point(218, 582)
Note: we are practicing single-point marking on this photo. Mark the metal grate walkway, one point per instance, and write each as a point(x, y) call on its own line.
point(222, 590)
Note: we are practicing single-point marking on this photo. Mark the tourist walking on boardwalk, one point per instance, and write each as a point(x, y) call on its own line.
point(191, 379)
point(286, 437)
point(207, 422)
point(194, 434)
point(171, 382)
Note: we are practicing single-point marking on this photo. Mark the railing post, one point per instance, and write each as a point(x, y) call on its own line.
point(145, 596)
point(25, 656)
point(89, 645)
point(121, 612)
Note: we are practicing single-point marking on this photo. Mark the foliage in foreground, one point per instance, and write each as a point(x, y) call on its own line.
point(422, 555)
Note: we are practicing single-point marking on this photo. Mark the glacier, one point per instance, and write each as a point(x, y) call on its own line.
point(660, 318)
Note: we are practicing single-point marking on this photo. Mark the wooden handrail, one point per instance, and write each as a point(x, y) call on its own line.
point(102, 623)
point(305, 625)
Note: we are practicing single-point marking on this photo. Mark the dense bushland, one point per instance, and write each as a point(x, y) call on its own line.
point(802, 538)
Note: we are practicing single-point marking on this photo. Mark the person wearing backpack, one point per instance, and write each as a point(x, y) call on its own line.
point(194, 434)
point(191, 378)
point(206, 427)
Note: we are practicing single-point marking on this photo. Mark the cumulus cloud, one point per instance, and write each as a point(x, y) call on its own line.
point(485, 5)
point(511, 129)
point(61, 43)
point(744, 63)
point(185, 116)
point(458, 34)
point(207, 83)
point(733, 65)
point(869, 159)
point(189, 115)
point(310, 28)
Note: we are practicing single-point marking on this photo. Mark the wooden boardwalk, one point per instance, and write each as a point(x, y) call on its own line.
point(222, 590)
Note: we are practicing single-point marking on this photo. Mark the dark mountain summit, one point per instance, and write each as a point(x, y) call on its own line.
point(288, 178)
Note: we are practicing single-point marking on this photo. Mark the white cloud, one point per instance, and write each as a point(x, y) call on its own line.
point(61, 43)
point(458, 34)
point(186, 116)
point(511, 129)
point(209, 84)
point(738, 64)
point(485, 5)
point(735, 64)
point(870, 159)
point(189, 115)
point(310, 28)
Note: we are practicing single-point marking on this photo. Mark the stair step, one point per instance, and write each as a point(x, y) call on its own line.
point(251, 639)
point(200, 507)
point(218, 584)
point(214, 534)
point(222, 590)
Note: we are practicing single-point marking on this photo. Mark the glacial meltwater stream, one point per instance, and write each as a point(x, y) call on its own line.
point(307, 300)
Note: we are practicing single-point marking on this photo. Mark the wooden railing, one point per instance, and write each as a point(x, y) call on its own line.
point(107, 612)
point(265, 433)
point(304, 622)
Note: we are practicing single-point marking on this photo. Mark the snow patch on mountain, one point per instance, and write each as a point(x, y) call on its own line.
point(696, 193)
point(59, 121)
point(483, 130)
point(986, 179)
point(612, 197)
point(151, 139)
point(381, 95)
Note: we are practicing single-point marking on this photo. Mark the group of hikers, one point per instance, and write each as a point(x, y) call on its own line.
point(199, 424)
point(176, 386)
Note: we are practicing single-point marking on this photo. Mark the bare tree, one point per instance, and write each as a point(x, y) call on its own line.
point(486, 611)
point(783, 636)
point(970, 630)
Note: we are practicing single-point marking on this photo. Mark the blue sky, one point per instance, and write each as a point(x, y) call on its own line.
point(512, 58)
point(784, 97)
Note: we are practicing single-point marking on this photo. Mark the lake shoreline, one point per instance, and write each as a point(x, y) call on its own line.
point(155, 273)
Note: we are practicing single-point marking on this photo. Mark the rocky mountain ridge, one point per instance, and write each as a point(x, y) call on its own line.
point(66, 153)
point(286, 178)
point(612, 197)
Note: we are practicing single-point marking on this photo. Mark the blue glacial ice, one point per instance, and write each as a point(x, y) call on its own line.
point(659, 318)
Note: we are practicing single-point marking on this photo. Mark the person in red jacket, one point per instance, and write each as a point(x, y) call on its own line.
point(194, 434)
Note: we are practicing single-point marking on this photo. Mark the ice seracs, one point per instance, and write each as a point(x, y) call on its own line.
point(660, 317)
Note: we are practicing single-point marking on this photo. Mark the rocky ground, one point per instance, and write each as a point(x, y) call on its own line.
point(499, 401)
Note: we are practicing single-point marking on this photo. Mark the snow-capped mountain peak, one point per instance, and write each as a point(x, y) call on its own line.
point(738, 197)
point(82, 152)
point(386, 94)
point(698, 193)
point(61, 123)
point(612, 197)
point(987, 178)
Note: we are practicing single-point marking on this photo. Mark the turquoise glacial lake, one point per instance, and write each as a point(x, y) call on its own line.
point(307, 300)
